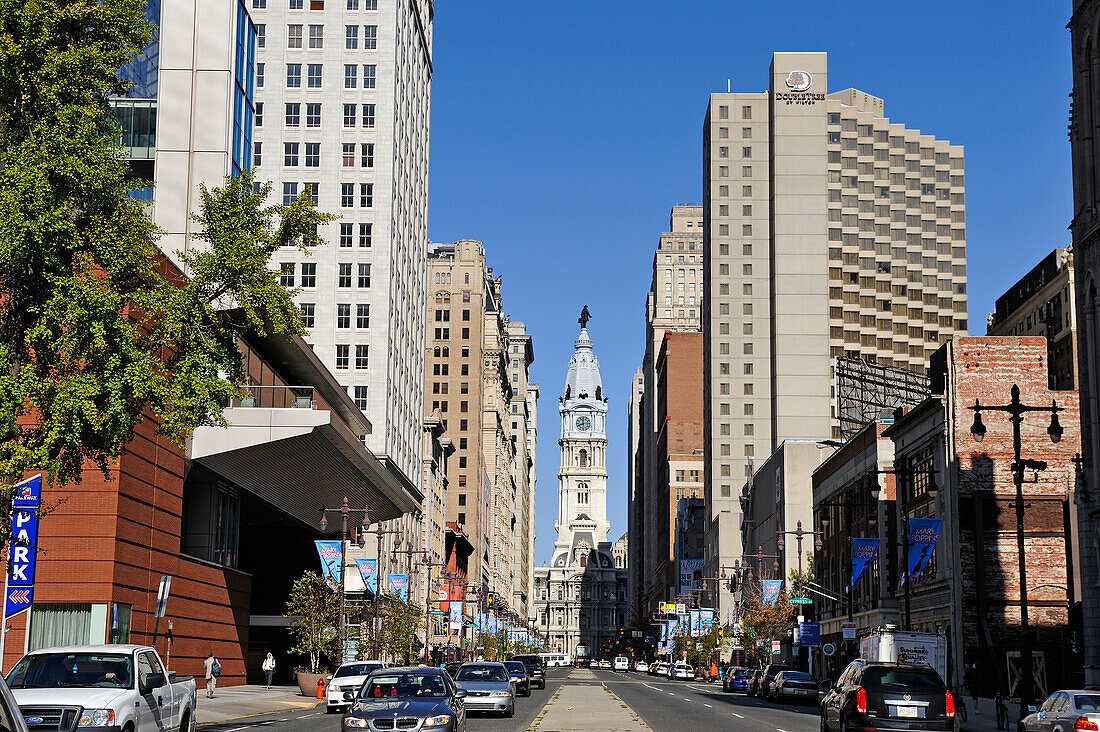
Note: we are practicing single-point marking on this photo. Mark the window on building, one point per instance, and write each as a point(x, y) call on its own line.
point(368, 116)
point(309, 274)
point(317, 36)
point(361, 357)
point(343, 356)
point(294, 36)
point(370, 76)
point(360, 397)
point(257, 153)
point(313, 115)
point(258, 118)
point(343, 315)
point(347, 157)
point(260, 69)
point(343, 277)
point(367, 155)
point(351, 80)
point(293, 114)
point(293, 76)
point(351, 37)
point(286, 274)
point(366, 235)
point(366, 195)
point(313, 154)
point(290, 154)
point(347, 195)
point(364, 275)
point(362, 316)
point(582, 458)
point(370, 37)
point(290, 193)
point(308, 311)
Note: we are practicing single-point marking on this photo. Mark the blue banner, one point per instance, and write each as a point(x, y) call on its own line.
point(694, 615)
point(456, 615)
point(399, 585)
point(923, 533)
point(771, 592)
point(706, 620)
point(368, 570)
point(23, 547)
point(479, 621)
point(863, 553)
point(330, 554)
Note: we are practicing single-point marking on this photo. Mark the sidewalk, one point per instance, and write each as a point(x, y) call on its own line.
point(578, 707)
point(987, 720)
point(233, 702)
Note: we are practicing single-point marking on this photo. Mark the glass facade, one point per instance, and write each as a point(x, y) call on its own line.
point(138, 120)
point(142, 71)
point(244, 106)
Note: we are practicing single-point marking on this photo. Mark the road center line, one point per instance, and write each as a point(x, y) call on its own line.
point(737, 715)
point(707, 705)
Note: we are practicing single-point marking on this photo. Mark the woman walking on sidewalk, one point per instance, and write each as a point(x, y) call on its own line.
point(269, 668)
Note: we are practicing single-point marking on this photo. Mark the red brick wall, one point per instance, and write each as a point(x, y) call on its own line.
point(681, 399)
point(986, 368)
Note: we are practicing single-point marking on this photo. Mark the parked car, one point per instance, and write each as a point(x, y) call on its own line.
point(794, 685)
point(1065, 711)
point(407, 698)
point(659, 668)
point(768, 679)
point(11, 716)
point(535, 671)
point(106, 686)
point(737, 679)
point(882, 696)
point(519, 677)
point(348, 677)
point(605, 663)
point(452, 668)
point(683, 672)
point(753, 687)
point(641, 666)
point(622, 663)
point(489, 688)
point(593, 663)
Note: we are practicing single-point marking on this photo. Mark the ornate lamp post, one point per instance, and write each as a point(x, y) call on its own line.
point(344, 510)
point(379, 532)
point(1016, 411)
point(798, 533)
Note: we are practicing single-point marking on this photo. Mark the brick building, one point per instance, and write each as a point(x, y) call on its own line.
point(231, 517)
point(970, 589)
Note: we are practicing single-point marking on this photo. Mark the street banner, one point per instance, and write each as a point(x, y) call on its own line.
point(456, 615)
point(664, 630)
point(809, 633)
point(706, 620)
point(399, 585)
point(23, 547)
point(863, 553)
point(771, 591)
point(694, 620)
point(479, 622)
point(923, 533)
point(330, 554)
point(368, 570)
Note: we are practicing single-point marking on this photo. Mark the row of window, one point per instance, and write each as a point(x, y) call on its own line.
point(293, 115)
point(344, 279)
point(311, 154)
point(319, 4)
point(316, 36)
point(343, 356)
point(315, 76)
point(348, 199)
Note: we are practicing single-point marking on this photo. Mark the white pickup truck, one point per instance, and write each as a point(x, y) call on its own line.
point(108, 688)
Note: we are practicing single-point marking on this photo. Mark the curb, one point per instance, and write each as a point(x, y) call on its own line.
point(296, 707)
point(638, 719)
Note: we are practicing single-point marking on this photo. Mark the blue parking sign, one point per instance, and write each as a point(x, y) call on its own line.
point(23, 546)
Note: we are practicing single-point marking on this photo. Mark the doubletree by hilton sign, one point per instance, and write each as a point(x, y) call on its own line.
point(798, 82)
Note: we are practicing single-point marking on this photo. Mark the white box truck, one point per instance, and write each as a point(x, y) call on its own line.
point(893, 645)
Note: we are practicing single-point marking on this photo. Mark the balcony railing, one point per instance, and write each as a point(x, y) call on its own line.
point(275, 397)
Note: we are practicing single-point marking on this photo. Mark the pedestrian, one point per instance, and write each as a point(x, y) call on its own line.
point(713, 672)
point(973, 682)
point(213, 671)
point(269, 668)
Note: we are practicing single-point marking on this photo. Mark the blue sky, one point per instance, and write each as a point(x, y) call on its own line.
point(563, 132)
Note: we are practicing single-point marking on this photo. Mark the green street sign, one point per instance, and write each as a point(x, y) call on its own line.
point(436, 612)
point(801, 601)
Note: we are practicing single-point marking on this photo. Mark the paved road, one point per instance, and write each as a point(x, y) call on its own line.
point(676, 706)
point(527, 708)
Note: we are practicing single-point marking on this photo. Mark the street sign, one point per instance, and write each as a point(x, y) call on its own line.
point(828, 649)
point(801, 601)
point(681, 608)
point(848, 631)
point(809, 633)
point(433, 611)
point(162, 595)
point(775, 647)
point(19, 584)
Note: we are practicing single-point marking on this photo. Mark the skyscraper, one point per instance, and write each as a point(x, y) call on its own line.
point(829, 230)
point(342, 112)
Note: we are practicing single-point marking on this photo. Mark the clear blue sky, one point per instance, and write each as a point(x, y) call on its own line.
point(563, 132)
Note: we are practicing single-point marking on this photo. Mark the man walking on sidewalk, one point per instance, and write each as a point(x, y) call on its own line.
point(213, 671)
point(269, 668)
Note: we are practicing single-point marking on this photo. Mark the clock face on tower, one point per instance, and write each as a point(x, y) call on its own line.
point(583, 423)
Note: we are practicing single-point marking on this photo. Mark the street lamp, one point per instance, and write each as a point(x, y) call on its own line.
point(798, 533)
point(344, 510)
point(380, 533)
point(1016, 411)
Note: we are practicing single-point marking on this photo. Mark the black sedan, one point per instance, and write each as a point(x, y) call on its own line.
point(519, 675)
point(535, 669)
point(407, 698)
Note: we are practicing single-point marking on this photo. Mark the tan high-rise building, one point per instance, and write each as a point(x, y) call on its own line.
point(469, 379)
point(829, 230)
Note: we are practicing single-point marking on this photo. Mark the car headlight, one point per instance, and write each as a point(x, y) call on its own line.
point(500, 693)
point(97, 717)
point(437, 721)
point(357, 722)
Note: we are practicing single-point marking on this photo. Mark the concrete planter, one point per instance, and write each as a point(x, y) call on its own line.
point(307, 682)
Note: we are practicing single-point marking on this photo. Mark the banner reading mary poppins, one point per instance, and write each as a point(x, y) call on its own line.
point(771, 591)
point(923, 533)
point(863, 553)
point(329, 552)
point(399, 585)
point(368, 570)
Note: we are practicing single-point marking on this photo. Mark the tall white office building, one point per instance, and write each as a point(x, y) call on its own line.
point(343, 90)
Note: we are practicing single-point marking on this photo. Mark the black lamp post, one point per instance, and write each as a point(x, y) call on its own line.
point(1016, 411)
point(344, 510)
point(380, 533)
point(848, 504)
point(798, 533)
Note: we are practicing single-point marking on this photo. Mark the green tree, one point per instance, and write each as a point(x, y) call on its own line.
point(314, 610)
point(400, 625)
point(96, 334)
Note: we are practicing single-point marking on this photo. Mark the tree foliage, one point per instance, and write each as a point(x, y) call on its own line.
point(314, 610)
point(95, 331)
point(401, 622)
point(763, 622)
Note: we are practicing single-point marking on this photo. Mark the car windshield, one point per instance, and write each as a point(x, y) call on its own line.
point(515, 667)
point(63, 670)
point(743, 673)
point(356, 669)
point(796, 676)
point(1086, 702)
point(910, 679)
point(403, 686)
point(482, 673)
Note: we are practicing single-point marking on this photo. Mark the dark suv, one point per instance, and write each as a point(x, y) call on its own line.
point(888, 696)
point(535, 670)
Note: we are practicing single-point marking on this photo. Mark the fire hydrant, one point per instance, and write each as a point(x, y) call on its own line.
point(321, 688)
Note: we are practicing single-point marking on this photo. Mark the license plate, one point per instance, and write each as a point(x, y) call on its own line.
point(907, 711)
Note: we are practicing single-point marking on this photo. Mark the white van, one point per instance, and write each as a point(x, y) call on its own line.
point(621, 663)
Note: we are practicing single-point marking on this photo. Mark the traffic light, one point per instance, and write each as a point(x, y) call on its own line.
point(489, 601)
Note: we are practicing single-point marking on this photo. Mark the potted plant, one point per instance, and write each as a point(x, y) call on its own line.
point(313, 610)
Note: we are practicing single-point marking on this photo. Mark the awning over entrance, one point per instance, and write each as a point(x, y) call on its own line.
point(298, 459)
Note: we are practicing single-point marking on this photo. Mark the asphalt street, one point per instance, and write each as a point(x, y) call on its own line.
point(316, 720)
point(666, 706)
